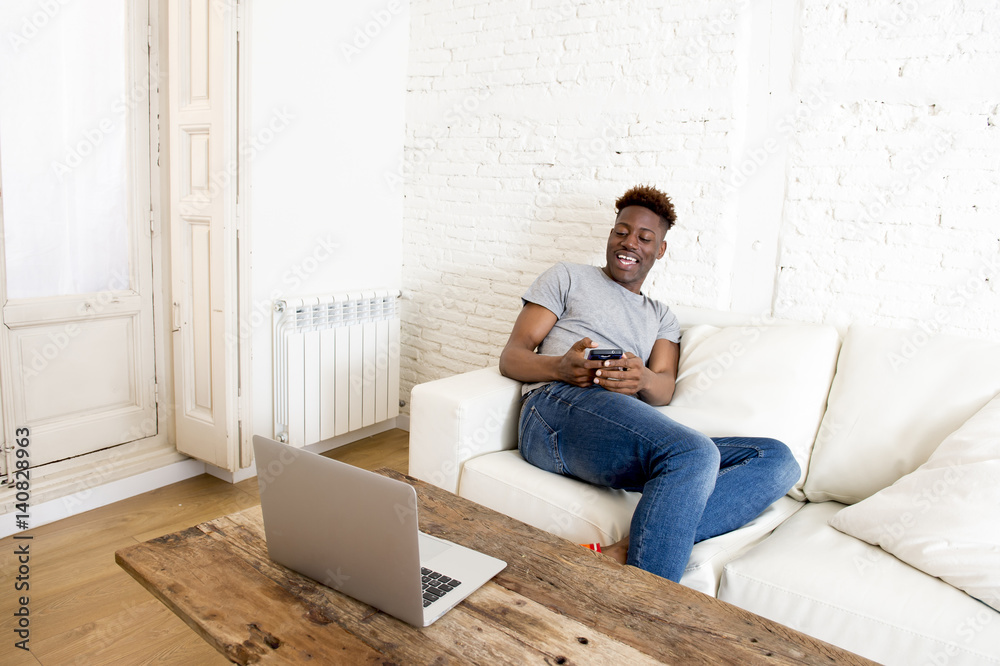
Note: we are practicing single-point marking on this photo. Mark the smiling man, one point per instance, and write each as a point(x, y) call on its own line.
point(596, 420)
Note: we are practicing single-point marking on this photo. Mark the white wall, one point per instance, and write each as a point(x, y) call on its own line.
point(326, 119)
point(892, 210)
point(829, 161)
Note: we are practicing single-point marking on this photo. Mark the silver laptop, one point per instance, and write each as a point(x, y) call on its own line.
point(356, 532)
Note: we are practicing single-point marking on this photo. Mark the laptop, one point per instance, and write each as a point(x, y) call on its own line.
point(356, 532)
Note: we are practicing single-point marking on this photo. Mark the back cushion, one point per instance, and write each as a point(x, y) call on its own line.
point(896, 396)
point(757, 381)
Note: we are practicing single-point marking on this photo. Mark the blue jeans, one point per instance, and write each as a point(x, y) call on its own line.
point(693, 487)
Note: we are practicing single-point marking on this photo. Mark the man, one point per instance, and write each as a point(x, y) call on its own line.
point(595, 420)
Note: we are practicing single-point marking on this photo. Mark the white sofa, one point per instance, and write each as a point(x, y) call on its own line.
point(863, 409)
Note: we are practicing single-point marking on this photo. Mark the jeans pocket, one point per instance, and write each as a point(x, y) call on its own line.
point(538, 443)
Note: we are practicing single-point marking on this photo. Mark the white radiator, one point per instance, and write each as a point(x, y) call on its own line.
point(336, 364)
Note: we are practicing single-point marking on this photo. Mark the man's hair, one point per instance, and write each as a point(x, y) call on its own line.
point(651, 198)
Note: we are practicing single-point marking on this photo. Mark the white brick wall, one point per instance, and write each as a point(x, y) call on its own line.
point(527, 119)
point(892, 213)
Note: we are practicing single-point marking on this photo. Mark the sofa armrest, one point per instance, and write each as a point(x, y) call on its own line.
point(458, 418)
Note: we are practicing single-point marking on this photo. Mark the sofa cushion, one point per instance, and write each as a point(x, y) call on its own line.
point(761, 381)
point(584, 513)
point(839, 589)
point(943, 518)
point(459, 417)
point(566, 507)
point(896, 395)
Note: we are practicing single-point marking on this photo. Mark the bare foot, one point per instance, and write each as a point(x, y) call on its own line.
point(617, 551)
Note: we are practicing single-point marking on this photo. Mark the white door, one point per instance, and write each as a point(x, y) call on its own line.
point(203, 178)
point(77, 337)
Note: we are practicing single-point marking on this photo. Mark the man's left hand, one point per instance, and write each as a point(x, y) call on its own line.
point(621, 375)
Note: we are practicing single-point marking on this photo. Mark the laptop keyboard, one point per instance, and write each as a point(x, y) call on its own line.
point(436, 585)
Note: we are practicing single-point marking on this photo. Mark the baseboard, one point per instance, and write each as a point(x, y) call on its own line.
point(102, 495)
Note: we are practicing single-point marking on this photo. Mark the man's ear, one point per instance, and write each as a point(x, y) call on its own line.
point(663, 250)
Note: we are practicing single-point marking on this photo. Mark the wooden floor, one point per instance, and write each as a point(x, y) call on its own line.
point(85, 610)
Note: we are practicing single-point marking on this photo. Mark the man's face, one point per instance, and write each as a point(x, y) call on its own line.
point(635, 243)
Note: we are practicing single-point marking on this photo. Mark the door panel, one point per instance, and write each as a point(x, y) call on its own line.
point(77, 340)
point(202, 197)
point(197, 328)
point(97, 349)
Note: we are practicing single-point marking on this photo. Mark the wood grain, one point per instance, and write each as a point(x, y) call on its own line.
point(554, 603)
point(486, 619)
point(244, 615)
point(139, 633)
point(389, 449)
point(87, 610)
point(623, 602)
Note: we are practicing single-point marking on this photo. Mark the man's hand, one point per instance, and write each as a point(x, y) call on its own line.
point(574, 368)
point(624, 375)
point(653, 384)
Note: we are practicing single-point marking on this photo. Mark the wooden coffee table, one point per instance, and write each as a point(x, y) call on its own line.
point(555, 603)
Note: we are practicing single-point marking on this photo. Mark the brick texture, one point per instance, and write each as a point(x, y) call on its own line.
point(527, 119)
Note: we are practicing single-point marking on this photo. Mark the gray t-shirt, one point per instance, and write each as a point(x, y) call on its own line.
point(589, 304)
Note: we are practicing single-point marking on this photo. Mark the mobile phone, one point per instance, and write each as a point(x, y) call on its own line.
point(603, 354)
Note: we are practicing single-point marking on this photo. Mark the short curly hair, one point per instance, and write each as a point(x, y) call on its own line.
point(651, 198)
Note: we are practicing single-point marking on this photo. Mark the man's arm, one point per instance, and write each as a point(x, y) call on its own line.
point(653, 384)
point(519, 361)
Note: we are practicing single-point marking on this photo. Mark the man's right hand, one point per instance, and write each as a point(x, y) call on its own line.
point(519, 360)
point(574, 368)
